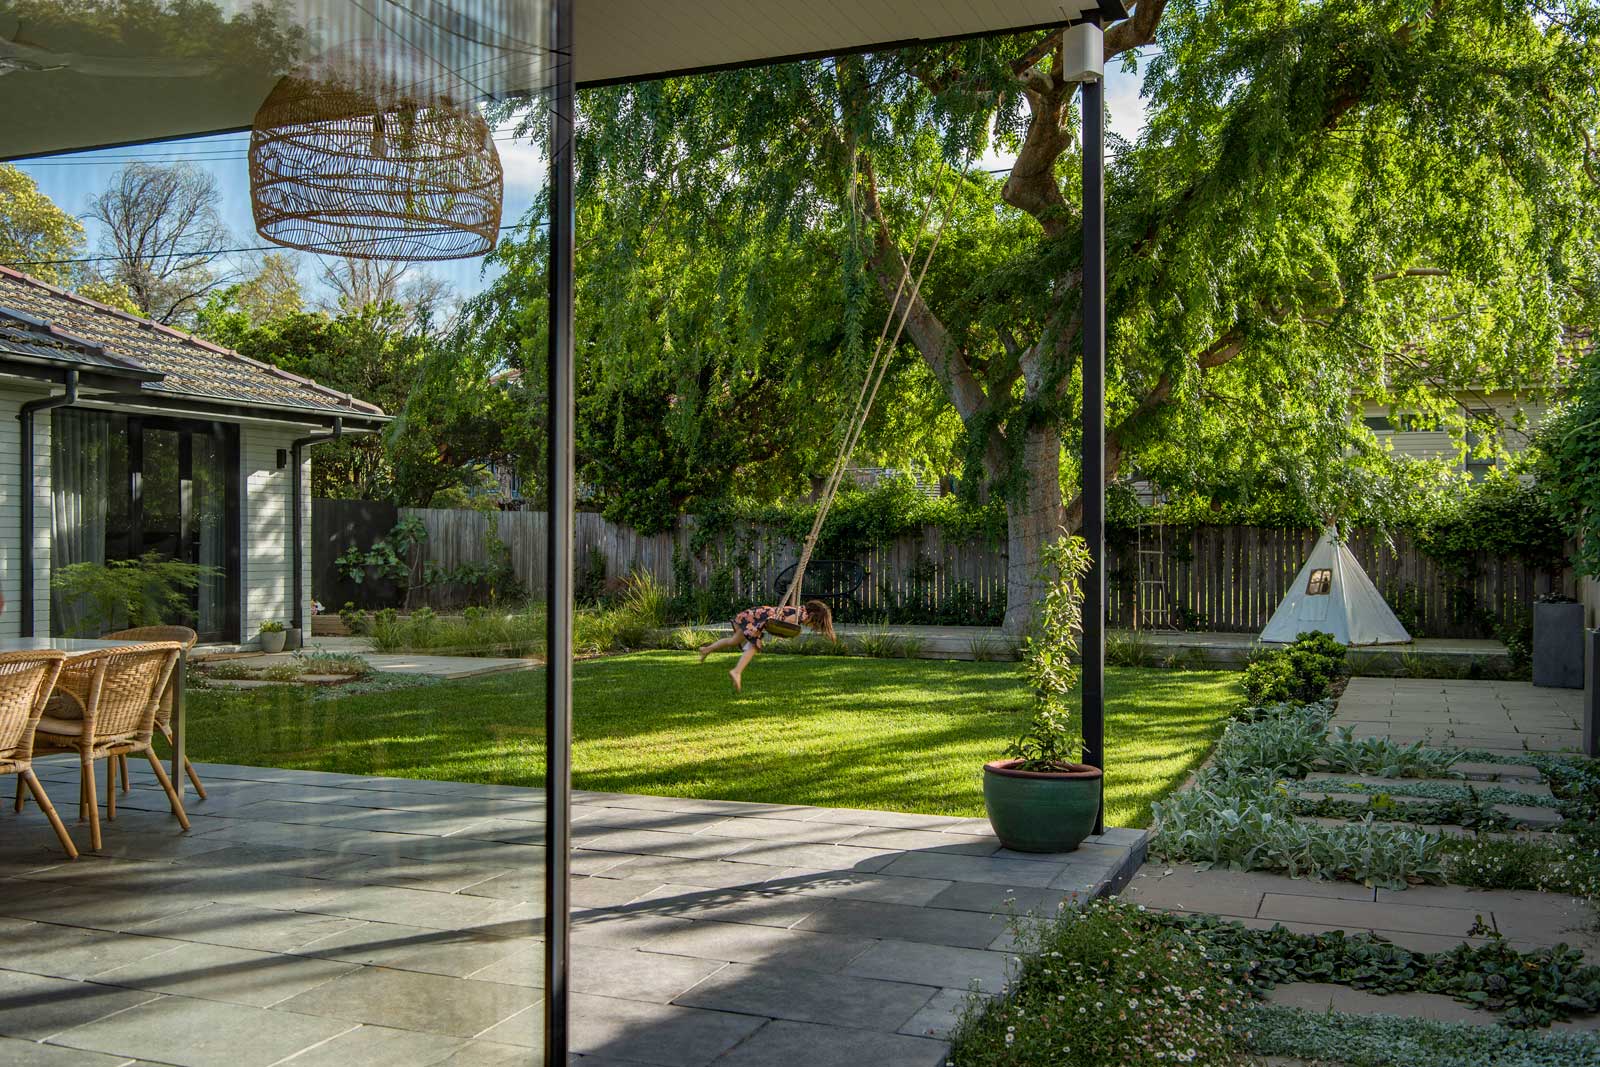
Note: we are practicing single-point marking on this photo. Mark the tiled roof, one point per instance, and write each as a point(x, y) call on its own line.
point(72, 329)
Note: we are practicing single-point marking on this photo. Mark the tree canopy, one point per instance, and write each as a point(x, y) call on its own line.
point(1331, 199)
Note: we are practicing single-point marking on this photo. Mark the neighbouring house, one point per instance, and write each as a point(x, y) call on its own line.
point(1407, 433)
point(146, 439)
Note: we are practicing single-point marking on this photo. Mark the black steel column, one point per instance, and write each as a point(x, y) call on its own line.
point(558, 586)
point(1094, 428)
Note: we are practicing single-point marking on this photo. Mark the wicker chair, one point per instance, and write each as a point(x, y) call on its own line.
point(120, 692)
point(26, 679)
point(186, 638)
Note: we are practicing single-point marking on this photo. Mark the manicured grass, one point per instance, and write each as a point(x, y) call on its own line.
point(902, 735)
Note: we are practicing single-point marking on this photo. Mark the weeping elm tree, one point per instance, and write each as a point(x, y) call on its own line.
point(1330, 198)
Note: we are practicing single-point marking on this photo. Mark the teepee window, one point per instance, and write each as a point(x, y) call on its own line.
point(1320, 583)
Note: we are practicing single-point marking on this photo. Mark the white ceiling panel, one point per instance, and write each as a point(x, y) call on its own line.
point(81, 74)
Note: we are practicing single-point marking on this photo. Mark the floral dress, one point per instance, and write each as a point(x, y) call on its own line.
point(752, 622)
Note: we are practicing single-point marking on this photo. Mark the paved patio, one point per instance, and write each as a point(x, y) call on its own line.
point(1514, 717)
point(316, 919)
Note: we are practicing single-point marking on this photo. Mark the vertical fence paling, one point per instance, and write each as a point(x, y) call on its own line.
point(1231, 577)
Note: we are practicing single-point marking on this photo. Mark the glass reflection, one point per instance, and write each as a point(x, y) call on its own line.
point(368, 829)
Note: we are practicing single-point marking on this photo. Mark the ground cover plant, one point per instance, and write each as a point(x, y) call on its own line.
point(1105, 987)
point(1392, 1041)
point(900, 735)
point(1249, 824)
point(1115, 984)
point(1528, 989)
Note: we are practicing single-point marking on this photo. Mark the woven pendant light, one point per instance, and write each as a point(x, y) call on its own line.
point(374, 151)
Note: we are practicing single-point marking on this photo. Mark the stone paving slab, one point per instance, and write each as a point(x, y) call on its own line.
point(1326, 996)
point(1530, 785)
point(340, 919)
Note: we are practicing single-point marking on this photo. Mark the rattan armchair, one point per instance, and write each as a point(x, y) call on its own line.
point(26, 680)
point(186, 638)
point(120, 692)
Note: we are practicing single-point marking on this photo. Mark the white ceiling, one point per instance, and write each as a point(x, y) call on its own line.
point(71, 82)
point(622, 40)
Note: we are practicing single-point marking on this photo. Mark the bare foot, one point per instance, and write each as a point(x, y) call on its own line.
point(738, 683)
point(705, 650)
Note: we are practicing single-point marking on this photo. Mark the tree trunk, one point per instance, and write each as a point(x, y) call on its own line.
point(1031, 522)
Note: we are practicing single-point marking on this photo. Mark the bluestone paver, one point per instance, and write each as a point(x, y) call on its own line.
point(826, 1046)
point(354, 920)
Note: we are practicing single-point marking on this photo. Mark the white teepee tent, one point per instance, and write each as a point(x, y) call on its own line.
point(1333, 594)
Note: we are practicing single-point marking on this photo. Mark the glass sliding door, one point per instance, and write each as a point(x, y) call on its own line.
point(127, 489)
point(206, 529)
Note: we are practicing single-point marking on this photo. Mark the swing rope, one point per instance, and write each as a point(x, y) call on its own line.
point(877, 369)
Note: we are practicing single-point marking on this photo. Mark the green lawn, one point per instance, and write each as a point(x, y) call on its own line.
point(903, 735)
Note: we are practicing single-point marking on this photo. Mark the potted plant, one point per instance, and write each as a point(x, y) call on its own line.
point(1038, 798)
point(272, 636)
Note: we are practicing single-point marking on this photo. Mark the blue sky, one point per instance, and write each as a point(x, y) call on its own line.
point(72, 181)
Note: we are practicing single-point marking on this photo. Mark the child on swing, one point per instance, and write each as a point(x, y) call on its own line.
point(750, 626)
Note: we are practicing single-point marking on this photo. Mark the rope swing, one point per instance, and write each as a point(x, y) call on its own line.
point(877, 368)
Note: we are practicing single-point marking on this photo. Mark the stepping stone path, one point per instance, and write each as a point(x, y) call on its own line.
point(1510, 717)
point(1529, 814)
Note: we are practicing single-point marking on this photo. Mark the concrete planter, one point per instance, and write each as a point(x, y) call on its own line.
point(1041, 811)
point(293, 639)
point(272, 641)
point(1558, 645)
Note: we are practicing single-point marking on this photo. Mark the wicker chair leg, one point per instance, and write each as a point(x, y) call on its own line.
point(93, 803)
point(200, 790)
point(122, 768)
point(111, 788)
point(20, 795)
point(49, 812)
point(166, 783)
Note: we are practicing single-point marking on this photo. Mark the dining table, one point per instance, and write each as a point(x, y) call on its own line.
point(79, 645)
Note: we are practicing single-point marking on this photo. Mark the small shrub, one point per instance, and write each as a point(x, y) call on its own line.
point(876, 643)
point(1303, 671)
point(1188, 659)
point(1129, 650)
point(356, 622)
point(1104, 987)
point(984, 649)
point(1269, 680)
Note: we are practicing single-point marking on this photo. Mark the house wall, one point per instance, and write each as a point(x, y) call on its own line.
point(1437, 444)
point(12, 397)
point(266, 564)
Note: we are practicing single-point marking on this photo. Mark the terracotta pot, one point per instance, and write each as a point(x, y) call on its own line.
point(1041, 811)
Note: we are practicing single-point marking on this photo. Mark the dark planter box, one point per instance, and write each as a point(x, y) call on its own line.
point(1558, 645)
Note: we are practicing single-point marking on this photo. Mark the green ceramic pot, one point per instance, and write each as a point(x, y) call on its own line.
point(1041, 811)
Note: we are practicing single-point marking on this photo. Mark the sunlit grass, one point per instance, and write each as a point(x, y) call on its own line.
point(902, 735)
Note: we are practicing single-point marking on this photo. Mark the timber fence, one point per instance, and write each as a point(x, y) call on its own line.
point(1218, 578)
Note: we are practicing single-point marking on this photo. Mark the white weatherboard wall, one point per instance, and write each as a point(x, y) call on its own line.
point(266, 556)
point(12, 397)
